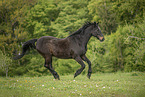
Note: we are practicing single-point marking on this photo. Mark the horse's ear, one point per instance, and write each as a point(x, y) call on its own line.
point(96, 23)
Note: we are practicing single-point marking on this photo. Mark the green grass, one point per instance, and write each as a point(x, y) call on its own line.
point(100, 85)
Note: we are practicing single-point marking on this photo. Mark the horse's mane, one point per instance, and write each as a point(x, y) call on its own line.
point(81, 30)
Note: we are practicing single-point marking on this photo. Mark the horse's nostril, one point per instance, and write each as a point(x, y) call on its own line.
point(102, 39)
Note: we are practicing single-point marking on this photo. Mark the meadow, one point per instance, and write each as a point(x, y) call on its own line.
point(100, 85)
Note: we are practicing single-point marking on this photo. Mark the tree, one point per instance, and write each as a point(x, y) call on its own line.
point(39, 18)
point(73, 14)
point(12, 14)
point(12, 34)
point(5, 62)
point(101, 12)
point(130, 11)
point(112, 13)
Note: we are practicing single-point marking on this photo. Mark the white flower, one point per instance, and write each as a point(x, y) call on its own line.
point(97, 85)
point(42, 85)
point(53, 87)
point(104, 87)
point(80, 94)
point(74, 80)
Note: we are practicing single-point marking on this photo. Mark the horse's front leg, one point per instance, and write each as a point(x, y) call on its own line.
point(48, 65)
point(79, 60)
point(89, 64)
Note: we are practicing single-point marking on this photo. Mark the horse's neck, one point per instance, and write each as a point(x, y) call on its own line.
point(86, 37)
point(81, 39)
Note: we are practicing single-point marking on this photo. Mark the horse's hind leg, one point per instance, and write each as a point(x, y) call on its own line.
point(89, 64)
point(48, 65)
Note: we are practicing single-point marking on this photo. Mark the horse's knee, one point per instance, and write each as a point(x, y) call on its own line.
point(46, 65)
point(83, 67)
point(89, 71)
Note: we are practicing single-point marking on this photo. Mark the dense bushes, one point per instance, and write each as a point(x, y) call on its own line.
point(122, 50)
point(122, 23)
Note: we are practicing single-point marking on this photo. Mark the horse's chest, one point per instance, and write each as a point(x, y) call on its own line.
point(82, 51)
point(79, 50)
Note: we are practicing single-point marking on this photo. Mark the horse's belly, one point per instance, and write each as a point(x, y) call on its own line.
point(62, 54)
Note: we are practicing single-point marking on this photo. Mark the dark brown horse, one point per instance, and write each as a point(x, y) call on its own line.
point(71, 47)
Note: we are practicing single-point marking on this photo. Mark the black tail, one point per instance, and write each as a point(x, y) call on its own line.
point(27, 45)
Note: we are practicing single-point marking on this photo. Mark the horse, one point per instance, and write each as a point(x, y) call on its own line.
point(72, 47)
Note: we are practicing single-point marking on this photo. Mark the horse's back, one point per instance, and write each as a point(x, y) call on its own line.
point(48, 45)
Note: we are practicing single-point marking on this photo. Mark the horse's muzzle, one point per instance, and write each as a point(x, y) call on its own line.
point(101, 39)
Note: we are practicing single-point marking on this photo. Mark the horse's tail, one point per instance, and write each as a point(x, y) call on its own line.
point(26, 46)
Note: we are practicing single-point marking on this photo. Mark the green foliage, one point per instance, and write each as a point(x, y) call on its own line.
point(5, 62)
point(73, 14)
point(122, 50)
point(66, 66)
point(100, 10)
point(36, 66)
point(112, 13)
point(12, 14)
point(39, 18)
point(134, 52)
point(130, 11)
point(121, 21)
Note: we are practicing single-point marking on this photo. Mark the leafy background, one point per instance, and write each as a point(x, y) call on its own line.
point(122, 22)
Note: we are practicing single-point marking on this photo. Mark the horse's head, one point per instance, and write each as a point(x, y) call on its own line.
point(96, 32)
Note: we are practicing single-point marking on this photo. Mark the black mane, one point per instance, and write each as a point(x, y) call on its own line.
point(81, 30)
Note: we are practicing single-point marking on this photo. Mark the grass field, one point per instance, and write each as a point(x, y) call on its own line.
point(100, 85)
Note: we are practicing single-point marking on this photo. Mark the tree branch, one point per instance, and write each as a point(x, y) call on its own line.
point(136, 37)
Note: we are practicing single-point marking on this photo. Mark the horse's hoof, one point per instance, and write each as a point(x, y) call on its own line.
point(89, 75)
point(75, 75)
point(58, 78)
